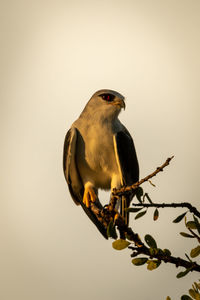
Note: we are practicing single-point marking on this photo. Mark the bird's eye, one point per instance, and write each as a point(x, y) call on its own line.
point(107, 97)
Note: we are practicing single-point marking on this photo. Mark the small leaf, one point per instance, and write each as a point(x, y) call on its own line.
point(128, 236)
point(195, 252)
point(150, 241)
point(148, 198)
point(151, 183)
point(133, 209)
point(167, 252)
point(111, 231)
point(153, 251)
point(197, 285)
point(188, 257)
point(120, 244)
point(187, 235)
point(139, 261)
point(179, 218)
point(141, 214)
point(186, 297)
point(193, 294)
point(197, 296)
point(182, 274)
point(156, 214)
point(197, 224)
point(168, 298)
point(139, 193)
point(153, 264)
point(191, 225)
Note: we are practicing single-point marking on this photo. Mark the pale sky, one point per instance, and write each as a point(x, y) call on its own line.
point(54, 56)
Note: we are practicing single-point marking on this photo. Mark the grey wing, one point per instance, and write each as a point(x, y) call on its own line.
point(128, 164)
point(69, 166)
point(127, 158)
point(73, 179)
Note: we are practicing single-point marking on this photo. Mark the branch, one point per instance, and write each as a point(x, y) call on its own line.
point(108, 215)
point(127, 189)
point(160, 255)
point(191, 208)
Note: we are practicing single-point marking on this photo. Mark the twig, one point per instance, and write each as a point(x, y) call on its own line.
point(177, 261)
point(191, 208)
point(109, 213)
point(127, 189)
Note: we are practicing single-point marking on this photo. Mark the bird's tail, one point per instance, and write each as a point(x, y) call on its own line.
point(94, 219)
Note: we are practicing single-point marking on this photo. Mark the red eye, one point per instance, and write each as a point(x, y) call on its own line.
point(107, 97)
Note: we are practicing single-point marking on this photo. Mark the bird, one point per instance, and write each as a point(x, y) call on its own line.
point(99, 153)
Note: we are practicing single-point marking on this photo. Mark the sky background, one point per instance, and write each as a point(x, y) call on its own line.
point(54, 56)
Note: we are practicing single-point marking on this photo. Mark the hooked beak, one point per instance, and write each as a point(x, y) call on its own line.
point(123, 104)
point(120, 103)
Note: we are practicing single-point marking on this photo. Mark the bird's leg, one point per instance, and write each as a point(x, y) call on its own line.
point(90, 194)
point(123, 209)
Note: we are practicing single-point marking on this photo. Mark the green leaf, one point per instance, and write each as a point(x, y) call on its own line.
point(111, 231)
point(191, 225)
point(148, 198)
point(188, 257)
point(139, 261)
point(197, 224)
point(197, 296)
point(186, 235)
point(153, 264)
point(141, 214)
point(139, 193)
point(133, 209)
point(167, 252)
point(120, 244)
point(186, 297)
point(153, 251)
point(156, 214)
point(182, 274)
point(193, 294)
point(150, 241)
point(195, 252)
point(179, 218)
point(197, 285)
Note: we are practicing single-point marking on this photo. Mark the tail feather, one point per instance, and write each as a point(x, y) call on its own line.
point(94, 219)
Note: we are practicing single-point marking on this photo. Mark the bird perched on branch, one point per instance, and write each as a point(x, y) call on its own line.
point(99, 153)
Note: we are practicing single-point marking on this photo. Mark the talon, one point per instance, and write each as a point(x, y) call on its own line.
point(89, 196)
point(86, 199)
point(93, 195)
point(116, 217)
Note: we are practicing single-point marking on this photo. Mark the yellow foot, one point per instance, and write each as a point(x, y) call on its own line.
point(116, 216)
point(89, 196)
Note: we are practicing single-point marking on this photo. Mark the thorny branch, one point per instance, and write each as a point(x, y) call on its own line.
point(177, 261)
point(108, 214)
point(125, 190)
point(191, 208)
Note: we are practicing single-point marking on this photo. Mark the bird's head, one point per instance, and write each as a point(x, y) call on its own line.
point(104, 104)
point(107, 103)
point(110, 98)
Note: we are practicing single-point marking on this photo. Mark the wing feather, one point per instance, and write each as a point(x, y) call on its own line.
point(73, 179)
point(128, 166)
point(126, 157)
point(69, 166)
